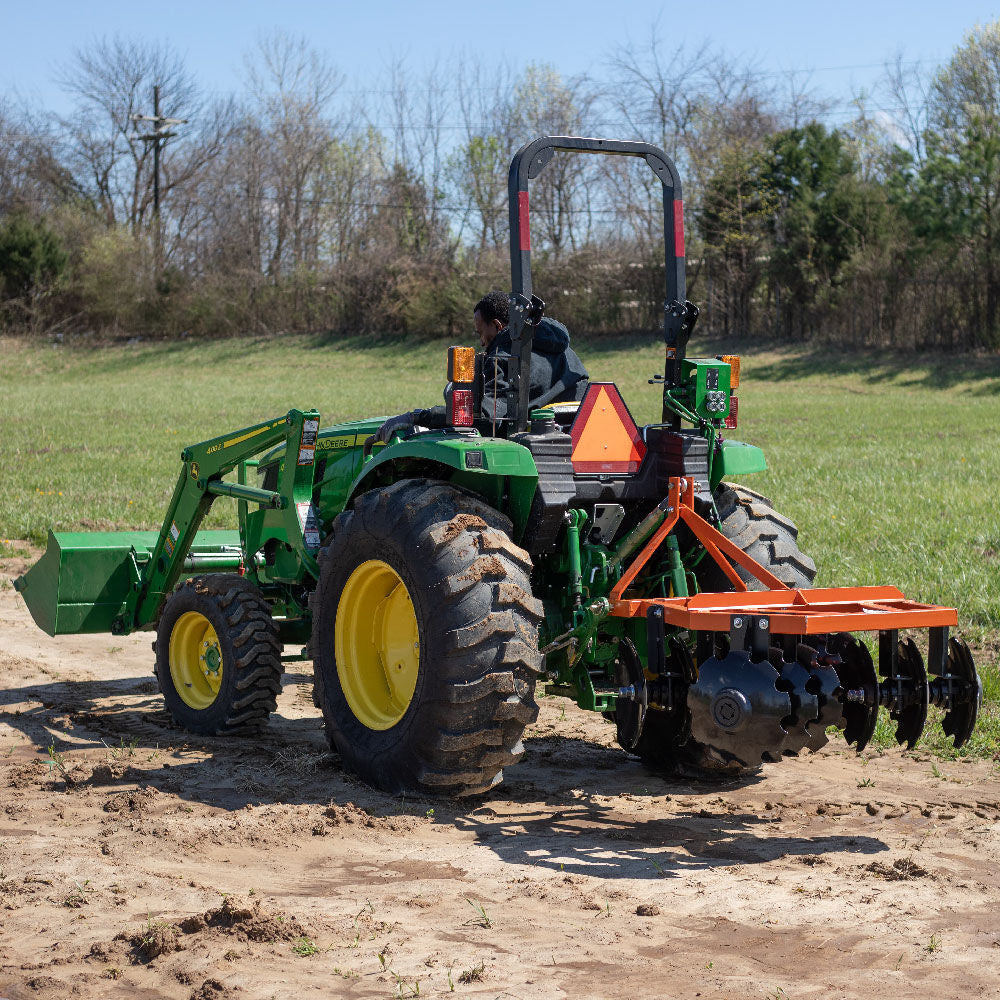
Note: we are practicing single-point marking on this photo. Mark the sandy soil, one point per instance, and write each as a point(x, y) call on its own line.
point(144, 863)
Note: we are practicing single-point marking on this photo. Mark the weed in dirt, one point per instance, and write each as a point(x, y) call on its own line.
point(304, 947)
point(451, 982)
point(57, 760)
point(866, 783)
point(430, 813)
point(709, 965)
point(78, 897)
point(473, 975)
point(936, 771)
point(346, 973)
point(482, 918)
point(403, 989)
point(934, 944)
point(112, 972)
point(121, 753)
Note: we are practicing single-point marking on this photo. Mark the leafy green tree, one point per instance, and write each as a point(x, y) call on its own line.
point(819, 222)
point(31, 257)
point(733, 217)
point(477, 169)
point(955, 200)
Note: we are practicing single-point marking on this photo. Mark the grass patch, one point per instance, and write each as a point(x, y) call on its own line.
point(886, 463)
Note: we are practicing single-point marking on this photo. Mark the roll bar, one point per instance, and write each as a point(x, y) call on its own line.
point(679, 314)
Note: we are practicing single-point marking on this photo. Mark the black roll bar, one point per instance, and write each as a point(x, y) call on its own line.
point(679, 315)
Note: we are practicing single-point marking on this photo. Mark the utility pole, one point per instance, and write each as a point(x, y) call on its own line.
point(159, 135)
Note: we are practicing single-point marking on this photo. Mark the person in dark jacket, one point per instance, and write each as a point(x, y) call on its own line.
point(557, 373)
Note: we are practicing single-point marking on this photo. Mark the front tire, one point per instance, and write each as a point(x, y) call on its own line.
point(425, 640)
point(218, 656)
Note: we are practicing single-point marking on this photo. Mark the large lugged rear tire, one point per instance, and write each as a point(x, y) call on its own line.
point(218, 656)
point(425, 640)
point(749, 520)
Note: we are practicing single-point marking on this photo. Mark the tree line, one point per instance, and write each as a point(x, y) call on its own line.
point(303, 204)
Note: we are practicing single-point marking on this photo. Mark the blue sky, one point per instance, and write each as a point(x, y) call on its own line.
point(841, 44)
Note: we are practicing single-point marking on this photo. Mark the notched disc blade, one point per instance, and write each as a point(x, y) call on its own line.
point(630, 714)
point(831, 711)
point(736, 708)
point(857, 673)
point(910, 668)
point(967, 696)
point(805, 706)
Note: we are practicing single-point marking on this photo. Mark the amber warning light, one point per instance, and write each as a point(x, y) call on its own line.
point(733, 360)
point(461, 364)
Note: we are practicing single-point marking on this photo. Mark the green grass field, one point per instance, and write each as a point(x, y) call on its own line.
point(888, 465)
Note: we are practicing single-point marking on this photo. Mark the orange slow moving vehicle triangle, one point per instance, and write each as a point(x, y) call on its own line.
point(605, 437)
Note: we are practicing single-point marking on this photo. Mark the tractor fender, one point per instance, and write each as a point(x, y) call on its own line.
point(502, 472)
point(736, 458)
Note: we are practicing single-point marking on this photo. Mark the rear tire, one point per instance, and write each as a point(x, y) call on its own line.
point(218, 656)
point(749, 520)
point(425, 555)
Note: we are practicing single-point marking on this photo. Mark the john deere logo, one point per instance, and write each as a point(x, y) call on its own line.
point(194, 470)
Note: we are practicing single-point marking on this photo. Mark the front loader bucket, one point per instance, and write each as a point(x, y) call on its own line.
point(81, 581)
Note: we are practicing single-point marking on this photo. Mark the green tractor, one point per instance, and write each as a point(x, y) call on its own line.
point(435, 579)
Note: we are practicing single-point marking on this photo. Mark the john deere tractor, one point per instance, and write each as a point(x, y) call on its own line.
point(435, 579)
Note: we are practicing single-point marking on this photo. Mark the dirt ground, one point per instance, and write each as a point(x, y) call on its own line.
point(136, 861)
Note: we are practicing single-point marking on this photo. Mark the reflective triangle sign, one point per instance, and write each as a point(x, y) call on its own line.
point(605, 437)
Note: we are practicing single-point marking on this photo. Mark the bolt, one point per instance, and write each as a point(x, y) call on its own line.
point(737, 623)
point(762, 624)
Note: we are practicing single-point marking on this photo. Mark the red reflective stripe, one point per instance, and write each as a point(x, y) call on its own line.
point(522, 219)
point(678, 228)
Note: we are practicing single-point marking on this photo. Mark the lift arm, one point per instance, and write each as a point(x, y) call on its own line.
point(201, 481)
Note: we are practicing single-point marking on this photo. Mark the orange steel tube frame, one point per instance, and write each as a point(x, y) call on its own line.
point(791, 611)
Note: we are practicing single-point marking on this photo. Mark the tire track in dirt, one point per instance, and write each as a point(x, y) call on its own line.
point(584, 875)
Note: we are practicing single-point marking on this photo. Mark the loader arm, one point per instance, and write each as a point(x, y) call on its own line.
point(201, 481)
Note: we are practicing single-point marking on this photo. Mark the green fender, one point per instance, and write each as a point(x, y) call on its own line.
point(737, 459)
point(502, 472)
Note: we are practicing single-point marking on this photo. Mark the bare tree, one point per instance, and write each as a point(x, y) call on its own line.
point(476, 169)
point(112, 80)
point(905, 92)
point(543, 103)
point(292, 87)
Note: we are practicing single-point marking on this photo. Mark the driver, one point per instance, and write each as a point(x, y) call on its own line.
point(557, 373)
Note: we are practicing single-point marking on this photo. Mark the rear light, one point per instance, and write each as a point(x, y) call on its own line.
point(460, 408)
point(461, 364)
point(733, 360)
point(734, 412)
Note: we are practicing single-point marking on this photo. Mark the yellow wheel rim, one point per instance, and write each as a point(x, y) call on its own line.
point(195, 660)
point(377, 645)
